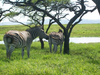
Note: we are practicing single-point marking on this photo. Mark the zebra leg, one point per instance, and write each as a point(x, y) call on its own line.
point(28, 51)
point(11, 50)
point(50, 45)
point(55, 48)
point(22, 52)
point(61, 48)
point(7, 51)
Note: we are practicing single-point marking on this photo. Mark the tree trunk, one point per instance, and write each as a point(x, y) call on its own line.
point(66, 42)
point(42, 43)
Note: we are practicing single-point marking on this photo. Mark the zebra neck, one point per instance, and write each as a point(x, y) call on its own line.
point(34, 34)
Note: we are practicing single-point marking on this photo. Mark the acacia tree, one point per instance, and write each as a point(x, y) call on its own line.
point(46, 7)
point(34, 15)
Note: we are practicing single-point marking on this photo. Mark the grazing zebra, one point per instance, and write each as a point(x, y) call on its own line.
point(56, 38)
point(21, 39)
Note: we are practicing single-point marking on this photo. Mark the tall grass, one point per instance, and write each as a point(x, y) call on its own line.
point(82, 60)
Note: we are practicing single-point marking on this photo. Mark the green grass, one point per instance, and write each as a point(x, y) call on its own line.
point(80, 30)
point(82, 60)
point(86, 30)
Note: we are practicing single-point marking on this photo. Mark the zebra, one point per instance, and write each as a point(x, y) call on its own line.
point(21, 39)
point(56, 38)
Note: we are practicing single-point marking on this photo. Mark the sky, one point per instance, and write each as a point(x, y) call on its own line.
point(89, 16)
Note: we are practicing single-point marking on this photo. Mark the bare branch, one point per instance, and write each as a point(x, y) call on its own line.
point(51, 21)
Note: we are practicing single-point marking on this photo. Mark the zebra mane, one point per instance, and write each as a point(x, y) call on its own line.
point(34, 28)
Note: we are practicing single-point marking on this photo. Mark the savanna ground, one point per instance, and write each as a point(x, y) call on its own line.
point(84, 59)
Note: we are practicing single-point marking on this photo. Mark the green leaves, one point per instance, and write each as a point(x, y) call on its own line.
point(50, 1)
point(12, 14)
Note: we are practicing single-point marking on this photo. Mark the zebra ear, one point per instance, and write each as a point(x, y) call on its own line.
point(60, 30)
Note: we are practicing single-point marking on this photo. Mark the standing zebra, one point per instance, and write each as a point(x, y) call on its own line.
point(21, 39)
point(56, 38)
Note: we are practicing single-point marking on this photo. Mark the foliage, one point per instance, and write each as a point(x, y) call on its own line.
point(82, 60)
point(11, 14)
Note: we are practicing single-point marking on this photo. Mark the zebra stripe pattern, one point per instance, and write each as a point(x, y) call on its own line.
point(56, 38)
point(21, 39)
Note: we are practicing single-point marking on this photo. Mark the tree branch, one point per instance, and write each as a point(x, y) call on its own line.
point(77, 15)
point(97, 2)
point(14, 20)
point(80, 19)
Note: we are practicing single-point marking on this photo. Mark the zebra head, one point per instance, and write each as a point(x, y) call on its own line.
point(42, 34)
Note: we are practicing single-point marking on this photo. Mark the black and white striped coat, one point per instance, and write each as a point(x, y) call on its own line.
point(21, 39)
point(56, 38)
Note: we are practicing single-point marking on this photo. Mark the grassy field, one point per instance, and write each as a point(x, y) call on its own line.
point(80, 30)
point(84, 59)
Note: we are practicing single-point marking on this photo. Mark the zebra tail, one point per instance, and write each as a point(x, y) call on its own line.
point(8, 38)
